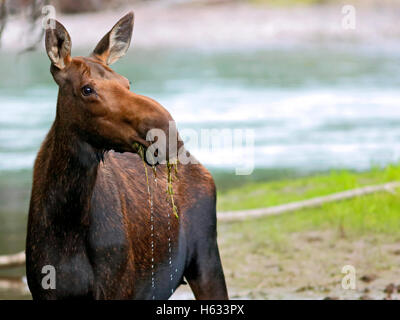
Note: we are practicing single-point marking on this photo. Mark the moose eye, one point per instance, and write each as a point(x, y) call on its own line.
point(87, 90)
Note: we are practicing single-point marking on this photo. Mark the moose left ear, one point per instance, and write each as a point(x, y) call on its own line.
point(58, 45)
point(116, 42)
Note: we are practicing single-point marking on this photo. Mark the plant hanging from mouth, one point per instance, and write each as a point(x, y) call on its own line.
point(172, 167)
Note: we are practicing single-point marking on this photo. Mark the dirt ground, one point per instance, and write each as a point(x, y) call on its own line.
point(308, 265)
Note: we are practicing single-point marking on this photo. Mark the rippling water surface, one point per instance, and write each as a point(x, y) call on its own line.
point(310, 108)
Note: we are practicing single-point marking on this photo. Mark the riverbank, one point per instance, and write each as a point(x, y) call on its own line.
point(300, 255)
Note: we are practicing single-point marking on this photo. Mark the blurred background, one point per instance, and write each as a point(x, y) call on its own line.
point(320, 94)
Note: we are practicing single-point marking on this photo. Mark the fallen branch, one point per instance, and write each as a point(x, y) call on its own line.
point(14, 284)
point(12, 260)
point(310, 203)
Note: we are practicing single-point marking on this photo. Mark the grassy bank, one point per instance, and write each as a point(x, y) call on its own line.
point(303, 252)
point(264, 194)
point(378, 212)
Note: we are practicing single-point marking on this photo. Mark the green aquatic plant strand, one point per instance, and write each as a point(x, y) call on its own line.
point(141, 154)
point(170, 190)
point(171, 167)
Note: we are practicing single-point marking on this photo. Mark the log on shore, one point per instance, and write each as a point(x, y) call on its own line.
point(12, 260)
point(310, 203)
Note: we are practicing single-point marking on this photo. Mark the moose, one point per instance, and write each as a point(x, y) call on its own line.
point(89, 214)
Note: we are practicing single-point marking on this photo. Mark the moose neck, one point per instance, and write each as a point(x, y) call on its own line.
point(71, 175)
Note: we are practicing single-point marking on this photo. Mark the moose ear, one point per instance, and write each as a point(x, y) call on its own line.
point(116, 42)
point(58, 45)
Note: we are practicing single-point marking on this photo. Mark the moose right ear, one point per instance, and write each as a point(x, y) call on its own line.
point(58, 45)
point(116, 42)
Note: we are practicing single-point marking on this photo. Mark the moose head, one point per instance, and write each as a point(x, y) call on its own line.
point(96, 103)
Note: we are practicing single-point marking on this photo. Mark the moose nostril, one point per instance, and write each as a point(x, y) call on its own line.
point(127, 121)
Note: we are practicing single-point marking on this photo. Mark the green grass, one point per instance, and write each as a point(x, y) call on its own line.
point(377, 213)
point(265, 194)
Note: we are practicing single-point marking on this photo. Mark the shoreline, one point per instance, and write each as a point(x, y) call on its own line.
point(225, 26)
